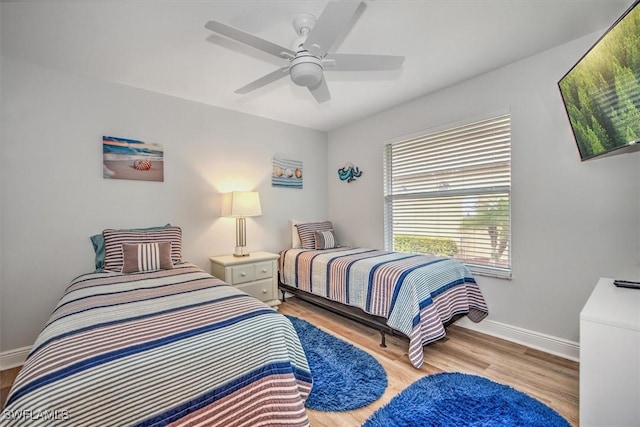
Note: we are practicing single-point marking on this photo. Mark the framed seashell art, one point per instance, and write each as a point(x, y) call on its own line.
point(286, 173)
point(124, 158)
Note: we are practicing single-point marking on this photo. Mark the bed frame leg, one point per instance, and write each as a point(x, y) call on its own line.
point(383, 341)
point(282, 299)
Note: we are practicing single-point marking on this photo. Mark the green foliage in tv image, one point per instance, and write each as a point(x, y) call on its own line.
point(602, 92)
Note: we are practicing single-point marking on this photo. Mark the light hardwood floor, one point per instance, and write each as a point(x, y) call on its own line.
point(551, 379)
point(6, 379)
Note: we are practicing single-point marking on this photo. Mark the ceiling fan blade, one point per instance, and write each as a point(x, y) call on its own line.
point(263, 81)
point(250, 39)
point(356, 62)
point(320, 91)
point(331, 23)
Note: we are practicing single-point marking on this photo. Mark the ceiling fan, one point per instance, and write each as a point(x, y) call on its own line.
point(308, 57)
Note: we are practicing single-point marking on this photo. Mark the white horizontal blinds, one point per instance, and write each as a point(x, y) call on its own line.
point(467, 157)
point(453, 186)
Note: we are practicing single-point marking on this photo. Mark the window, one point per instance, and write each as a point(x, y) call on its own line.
point(449, 193)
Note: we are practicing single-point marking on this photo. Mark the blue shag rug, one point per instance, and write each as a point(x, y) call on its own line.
point(453, 400)
point(344, 377)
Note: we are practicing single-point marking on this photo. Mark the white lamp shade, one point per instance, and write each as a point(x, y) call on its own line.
point(239, 204)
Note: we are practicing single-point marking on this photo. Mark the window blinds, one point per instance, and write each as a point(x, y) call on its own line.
point(449, 192)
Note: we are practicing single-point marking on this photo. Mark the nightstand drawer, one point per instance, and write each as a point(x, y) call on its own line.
point(256, 274)
point(243, 274)
point(264, 270)
point(262, 290)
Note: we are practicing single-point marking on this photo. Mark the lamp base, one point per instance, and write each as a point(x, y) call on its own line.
point(241, 237)
point(240, 251)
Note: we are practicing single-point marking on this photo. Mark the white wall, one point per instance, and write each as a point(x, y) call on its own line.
point(54, 196)
point(572, 222)
point(2, 321)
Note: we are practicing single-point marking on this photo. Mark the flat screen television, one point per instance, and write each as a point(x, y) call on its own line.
point(601, 93)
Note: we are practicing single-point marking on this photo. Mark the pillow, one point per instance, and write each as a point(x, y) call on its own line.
point(97, 240)
point(146, 257)
point(306, 232)
point(295, 238)
point(115, 239)
point(325, 240)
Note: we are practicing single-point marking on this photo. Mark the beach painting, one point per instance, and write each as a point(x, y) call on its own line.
point(286, 173)
point(131, 159)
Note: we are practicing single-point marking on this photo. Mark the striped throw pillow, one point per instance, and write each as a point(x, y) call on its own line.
point(325, 240)
point(306, 232)
point(146, 257)
point(97, 240)
point(115, 239)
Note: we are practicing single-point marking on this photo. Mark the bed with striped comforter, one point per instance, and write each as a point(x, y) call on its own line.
point(416, 294)
point(175, 347)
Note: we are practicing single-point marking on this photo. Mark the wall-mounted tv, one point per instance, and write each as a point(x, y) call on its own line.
point(601, 93)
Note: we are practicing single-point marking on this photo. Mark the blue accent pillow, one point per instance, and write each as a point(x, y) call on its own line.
point(97, 240)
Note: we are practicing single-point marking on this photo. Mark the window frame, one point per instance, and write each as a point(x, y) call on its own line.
point(388, 197)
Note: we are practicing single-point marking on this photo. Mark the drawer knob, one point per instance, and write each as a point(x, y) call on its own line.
point(264, 291)
point(243, 274)
point(264, 270)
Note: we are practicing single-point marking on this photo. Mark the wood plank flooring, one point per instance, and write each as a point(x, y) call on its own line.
point(551, 379)
point(6, 379)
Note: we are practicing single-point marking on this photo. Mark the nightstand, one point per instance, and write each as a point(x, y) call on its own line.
point(256, 274)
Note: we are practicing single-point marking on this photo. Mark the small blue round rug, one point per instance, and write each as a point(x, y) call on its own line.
point(454, 399)
point(344, 377)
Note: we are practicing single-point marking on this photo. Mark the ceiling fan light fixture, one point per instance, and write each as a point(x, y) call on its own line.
point(306, 70)
point(309, 55)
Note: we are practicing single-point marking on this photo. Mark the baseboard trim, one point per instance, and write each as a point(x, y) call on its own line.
point(547, 343)
point(12, 358)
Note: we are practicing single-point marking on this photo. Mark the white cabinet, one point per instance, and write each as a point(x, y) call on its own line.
point(256, 274)
point(610, 357)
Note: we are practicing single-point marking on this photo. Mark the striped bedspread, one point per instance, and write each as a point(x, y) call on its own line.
point(415, 293)
point(173, 347)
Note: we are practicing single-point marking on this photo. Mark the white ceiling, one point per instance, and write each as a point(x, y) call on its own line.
point(162, 46)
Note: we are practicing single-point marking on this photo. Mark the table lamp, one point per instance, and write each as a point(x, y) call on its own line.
point(240, 205)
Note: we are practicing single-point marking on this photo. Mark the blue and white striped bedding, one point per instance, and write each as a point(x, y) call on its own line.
point(417, 294)
point(176, 347)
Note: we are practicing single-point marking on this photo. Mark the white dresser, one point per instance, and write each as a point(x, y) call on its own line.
point(610, 357)
point(256, 274)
